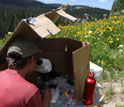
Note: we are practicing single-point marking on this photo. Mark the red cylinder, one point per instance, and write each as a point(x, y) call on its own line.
point(89, 89)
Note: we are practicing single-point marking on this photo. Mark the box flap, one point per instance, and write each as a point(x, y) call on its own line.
point(21, 30)
point(73, 45)
point(67, 16)
point(52, 44)
point(81, 70)
point(44, 26)
point(56, 13)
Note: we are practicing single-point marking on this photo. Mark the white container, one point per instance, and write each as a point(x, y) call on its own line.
point(55, 95)
point(96, 69)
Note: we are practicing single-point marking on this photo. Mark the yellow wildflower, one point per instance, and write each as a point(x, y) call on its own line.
point(117, 39)
point(123, 24)
point(109, 36)
point(111, 41)
point(119, 34)
point(102, 61)
point(78, 33)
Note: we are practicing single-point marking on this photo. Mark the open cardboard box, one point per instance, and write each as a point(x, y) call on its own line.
point(69, 57)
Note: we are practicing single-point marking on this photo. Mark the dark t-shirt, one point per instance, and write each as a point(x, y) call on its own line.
point(15, 91)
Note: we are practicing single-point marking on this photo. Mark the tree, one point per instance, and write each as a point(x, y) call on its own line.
point(117, 7)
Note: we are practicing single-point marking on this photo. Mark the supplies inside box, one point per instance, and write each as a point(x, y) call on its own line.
point(62, 87)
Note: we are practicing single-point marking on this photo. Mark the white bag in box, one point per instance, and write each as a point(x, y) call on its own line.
point(96, 69)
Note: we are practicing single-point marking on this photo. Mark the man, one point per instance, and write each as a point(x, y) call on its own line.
point(15, 91)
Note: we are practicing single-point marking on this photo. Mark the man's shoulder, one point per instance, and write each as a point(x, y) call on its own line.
point(30, 87)
point(18, 82)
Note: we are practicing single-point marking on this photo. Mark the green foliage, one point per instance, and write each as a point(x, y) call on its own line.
point(4, 40)
point(91, 12)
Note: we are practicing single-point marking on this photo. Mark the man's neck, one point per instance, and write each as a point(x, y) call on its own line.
point(22, 72)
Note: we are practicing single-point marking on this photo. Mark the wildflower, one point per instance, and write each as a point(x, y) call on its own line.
point(109, 36)
point(111, 41)
point(102, 61)
point(86, 36)
point(123, 24)
point(120, 46)
point(90, 32)
point(9, 33)
point(117, 39)
point(109, 28)
point(98, 61)
point(78, 33)
point(113, 22)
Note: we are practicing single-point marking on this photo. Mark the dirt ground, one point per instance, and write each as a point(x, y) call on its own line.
point(117, 97)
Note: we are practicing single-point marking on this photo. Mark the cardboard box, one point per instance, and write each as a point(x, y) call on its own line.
point(69, 57)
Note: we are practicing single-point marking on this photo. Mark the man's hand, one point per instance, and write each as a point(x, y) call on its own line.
point(46, 97)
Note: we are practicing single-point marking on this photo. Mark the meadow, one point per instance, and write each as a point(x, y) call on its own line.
point(106, 38)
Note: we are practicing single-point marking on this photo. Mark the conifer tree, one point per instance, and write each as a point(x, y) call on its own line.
point(117, 7)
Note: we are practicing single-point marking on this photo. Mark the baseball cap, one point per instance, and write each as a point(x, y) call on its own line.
point(23, 46)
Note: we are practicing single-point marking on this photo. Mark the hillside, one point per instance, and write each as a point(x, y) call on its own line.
point(27, 4)
point(12, 12)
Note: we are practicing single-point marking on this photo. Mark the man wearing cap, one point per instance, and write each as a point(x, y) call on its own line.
point(15, 91)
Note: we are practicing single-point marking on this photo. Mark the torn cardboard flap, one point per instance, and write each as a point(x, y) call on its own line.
point(67, 16)
point(55, 14)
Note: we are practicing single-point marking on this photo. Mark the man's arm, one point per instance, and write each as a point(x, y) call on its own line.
point(38, 101)
point(46, 98)
point(35, 100)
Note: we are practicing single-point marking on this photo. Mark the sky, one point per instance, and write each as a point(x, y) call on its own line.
point(104, 4)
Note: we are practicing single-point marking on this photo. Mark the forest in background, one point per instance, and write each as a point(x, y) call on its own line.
point(12, 12)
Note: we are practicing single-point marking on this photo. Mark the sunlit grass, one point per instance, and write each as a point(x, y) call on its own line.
point(106, 38)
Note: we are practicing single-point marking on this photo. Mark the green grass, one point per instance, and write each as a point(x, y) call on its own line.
point(119, 105)
point(110, 92)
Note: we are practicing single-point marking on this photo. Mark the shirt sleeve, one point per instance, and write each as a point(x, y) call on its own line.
point(35, 100)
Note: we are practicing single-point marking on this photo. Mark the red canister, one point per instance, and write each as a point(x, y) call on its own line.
point(89, 89)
